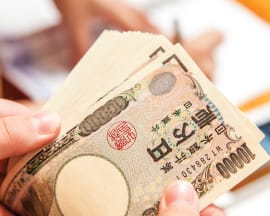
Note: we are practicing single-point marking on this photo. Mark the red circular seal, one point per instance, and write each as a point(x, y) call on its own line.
point(121, 135)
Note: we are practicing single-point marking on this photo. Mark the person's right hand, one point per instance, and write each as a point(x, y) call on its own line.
point(78, 16)
point(180, 199)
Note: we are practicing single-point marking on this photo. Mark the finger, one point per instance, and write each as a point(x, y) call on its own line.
point(212, 210)
point(207, 65)
point(128, 17)
point(79, 34)
point(9, 108)
point(208, 41)
point(23, 133)
point(4, 211)
point(179, 199)
point(76, 17)
point(31, 105)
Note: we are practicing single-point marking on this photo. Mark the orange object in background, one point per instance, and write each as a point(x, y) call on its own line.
point(256, 102)
point(260, 7)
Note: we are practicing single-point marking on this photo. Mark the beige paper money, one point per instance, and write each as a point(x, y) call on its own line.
point(165, 122)
point(115, 56)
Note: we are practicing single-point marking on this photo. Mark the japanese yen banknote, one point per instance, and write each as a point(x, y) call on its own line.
point(137, 115)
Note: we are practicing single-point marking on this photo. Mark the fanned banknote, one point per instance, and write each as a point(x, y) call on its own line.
point(137, 114)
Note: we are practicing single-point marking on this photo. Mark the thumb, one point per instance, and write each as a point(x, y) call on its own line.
point(24, 133)
point(179, 199)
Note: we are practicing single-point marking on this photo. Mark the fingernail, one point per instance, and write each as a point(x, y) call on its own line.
point(181, 191)
point(46, 122)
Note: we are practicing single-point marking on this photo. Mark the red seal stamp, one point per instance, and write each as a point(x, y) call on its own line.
point(121, 135)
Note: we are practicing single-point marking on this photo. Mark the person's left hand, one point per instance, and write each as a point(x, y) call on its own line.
point(23, 131)
point(201, 49)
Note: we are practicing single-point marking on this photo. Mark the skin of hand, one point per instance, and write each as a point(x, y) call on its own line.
point(23, 131)
point(180, 199)
point(78, 16)
point(201, 49)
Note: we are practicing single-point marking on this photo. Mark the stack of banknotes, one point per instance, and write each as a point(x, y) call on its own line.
point(137, 114)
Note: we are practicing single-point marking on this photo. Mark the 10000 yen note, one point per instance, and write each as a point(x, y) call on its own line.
point(109, 62)
point(165, 122)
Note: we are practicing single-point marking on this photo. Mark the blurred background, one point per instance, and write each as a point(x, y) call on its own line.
point(229, 39)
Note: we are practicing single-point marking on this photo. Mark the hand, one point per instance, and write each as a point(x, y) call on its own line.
point(180, 199)
point(201, 50)
point(21, 131)
point(78, 15)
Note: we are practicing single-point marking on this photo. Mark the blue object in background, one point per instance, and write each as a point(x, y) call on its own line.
point(265, 128)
